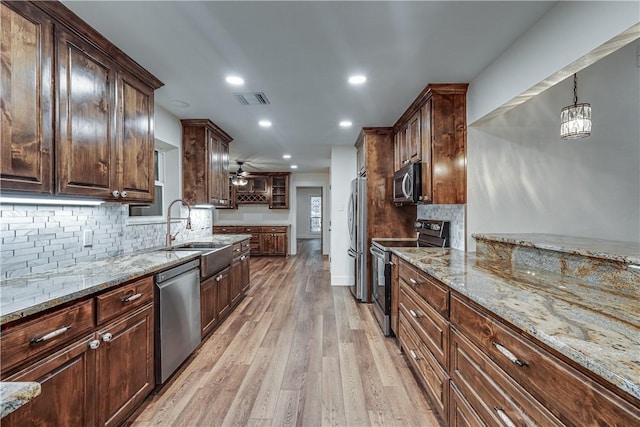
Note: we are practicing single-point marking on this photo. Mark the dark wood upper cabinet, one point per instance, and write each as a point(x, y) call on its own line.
point(279, 185)
point(26, 92)
point(433, 131)
point(205, 163)
point(85, 147)
point(102, 134)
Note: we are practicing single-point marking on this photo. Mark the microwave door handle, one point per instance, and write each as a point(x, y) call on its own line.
point(404, 186)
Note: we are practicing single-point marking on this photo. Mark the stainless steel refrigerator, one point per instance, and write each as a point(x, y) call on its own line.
point(357, 222)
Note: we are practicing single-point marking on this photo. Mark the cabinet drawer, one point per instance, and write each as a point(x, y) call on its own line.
point(237, 249)
point(124, 298)
point(570, 395)
point(37, 336)
point(431, 328)
point(224, 230)
point(433, 292)
point(247, 229)
point(433, 377)
point(460, 412)
point(493, 395)
point(245, 245)
point(274, 229)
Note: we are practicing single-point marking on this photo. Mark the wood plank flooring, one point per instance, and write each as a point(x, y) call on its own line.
point(296, 351)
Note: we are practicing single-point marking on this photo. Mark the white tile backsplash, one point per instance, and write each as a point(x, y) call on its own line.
point(453, 213)
point(37, 238)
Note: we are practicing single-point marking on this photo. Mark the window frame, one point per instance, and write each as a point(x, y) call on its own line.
point(159, 188)
point(312, 217)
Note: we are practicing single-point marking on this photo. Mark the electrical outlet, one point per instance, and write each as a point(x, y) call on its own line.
point(87, 238)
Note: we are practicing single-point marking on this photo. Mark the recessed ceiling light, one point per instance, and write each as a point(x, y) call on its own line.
point(286, 156)
point(294, 166)
point(265, 123)
point(235, 80)
point(357, 79)
point(179, 104)
point(345, 124)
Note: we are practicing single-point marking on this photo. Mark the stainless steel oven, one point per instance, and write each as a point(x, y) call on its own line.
point(431, 233)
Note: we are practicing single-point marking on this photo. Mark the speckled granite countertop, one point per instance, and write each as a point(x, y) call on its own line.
point(626, 252)
point(14, 395)
point(27, 295)
point(598, 330)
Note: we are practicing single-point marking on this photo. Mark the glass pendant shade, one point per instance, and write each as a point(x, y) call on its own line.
point(238, 180)
point(575, 121)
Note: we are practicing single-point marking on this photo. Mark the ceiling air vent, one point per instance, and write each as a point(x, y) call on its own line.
point(251, 98)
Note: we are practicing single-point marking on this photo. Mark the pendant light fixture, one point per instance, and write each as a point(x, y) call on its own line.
point(575, 120)
point(239, 178)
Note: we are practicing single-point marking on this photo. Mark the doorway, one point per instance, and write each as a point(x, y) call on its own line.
point(309, 213)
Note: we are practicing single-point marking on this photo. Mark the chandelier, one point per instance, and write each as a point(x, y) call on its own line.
point(575, 120)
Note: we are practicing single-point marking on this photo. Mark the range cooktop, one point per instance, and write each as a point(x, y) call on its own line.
point(396, 243)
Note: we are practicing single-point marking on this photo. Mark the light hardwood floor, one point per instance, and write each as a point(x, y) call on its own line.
point(296, 351)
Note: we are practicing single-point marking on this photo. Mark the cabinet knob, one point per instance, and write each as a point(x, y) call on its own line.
point(94, 344)
point(107, 337)
point(420, 197)
point(115, 193)
point(123, 194)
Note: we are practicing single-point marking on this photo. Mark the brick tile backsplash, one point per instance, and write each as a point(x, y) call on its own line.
point(37, 238)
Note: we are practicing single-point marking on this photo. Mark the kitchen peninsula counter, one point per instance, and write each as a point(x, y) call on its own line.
point(27, 295)
point(593, 326)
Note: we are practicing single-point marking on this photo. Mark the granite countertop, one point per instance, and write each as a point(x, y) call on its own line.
point(597, 329)
point(625, 252)
point(31, 294)
point(14, 395)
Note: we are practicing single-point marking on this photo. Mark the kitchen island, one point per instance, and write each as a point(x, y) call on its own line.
point(587, 316)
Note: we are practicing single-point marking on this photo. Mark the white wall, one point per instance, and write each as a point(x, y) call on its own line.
point(303, 214)
point(523, 178)
point(571, 36)
point(343, 170)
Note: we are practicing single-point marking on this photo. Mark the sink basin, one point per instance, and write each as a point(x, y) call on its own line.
point(214, 257)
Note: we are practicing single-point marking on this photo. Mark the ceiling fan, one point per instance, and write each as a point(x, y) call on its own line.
point(239, 178)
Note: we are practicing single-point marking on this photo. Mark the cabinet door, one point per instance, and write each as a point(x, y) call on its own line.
point(67, 395)
point(267, 243)
point(260, 184)
point(135, 140)
point(125, 373)
point(403, 145)
point(395, 294)
point(280, 244)
point(279, 185)
point(26, 94)
point(236, 281)
point(85, 148)
point(208, 301)
point(414, 148)
point(425, 137)
point(212, 169)
point(223, 303)
point(245, 272)
point(223, 174)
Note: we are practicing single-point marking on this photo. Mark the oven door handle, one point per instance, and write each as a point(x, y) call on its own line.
point(376, 252)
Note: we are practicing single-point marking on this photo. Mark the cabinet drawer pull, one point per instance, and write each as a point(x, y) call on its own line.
point(115, 193)
point(413, 281)
point(107, 337)
point(123, 194)
point(414, 355)
point(504, 417)
point(414, 314)
point(506, 353)
point(243, 257)
point(94, 344)
point(236, 250)
point(50, 335)
point(131, 298)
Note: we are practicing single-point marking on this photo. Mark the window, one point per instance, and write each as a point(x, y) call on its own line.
point(154, 211)
point(315, 203)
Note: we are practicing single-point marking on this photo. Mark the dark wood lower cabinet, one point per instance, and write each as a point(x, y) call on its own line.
point(68, 396)
point(460, 412)
point(125, 365)
point(265, 240)
point(236, 281)
point(245, 278)
point(208, 304)
point(223, 302)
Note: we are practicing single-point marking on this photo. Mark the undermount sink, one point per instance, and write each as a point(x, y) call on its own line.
point(213, 258)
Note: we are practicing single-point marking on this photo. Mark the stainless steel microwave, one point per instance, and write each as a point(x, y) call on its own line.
point(407, 184)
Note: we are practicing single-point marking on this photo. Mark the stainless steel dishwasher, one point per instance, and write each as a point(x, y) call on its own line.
point(177, 317)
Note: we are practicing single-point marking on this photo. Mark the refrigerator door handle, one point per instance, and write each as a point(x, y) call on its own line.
point(352, 253)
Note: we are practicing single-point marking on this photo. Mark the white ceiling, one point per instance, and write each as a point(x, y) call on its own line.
point(300, 55)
